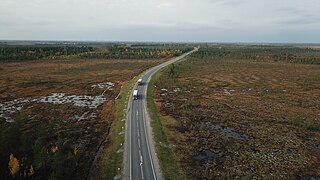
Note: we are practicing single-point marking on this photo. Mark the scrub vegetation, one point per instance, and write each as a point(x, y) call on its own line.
point(90, 51)
point(242, 111)
point(57, 106)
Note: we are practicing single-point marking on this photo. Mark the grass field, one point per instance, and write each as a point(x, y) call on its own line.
point(234, 113)
point(63, 110)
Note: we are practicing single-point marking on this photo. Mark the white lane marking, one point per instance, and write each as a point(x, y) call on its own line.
point(149, 73)
point(139, 143)
point(137, 113)
point(141, 160)
point(145, 130)
point(141, 171)
point(141, 163)
point(130, 135)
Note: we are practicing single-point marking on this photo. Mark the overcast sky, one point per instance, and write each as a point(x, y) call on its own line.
point(286, 21)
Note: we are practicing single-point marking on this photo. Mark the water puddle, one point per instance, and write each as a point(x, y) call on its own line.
point(252, 126)
point(205, 157)
point(309, 177)
point(228, 132)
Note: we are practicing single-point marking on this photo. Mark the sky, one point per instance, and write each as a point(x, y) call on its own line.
point(252, 21)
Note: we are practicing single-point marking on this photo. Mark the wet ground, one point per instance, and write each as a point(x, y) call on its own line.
point(209, 158)
point(227, 131)
point(7, 109)
point(237, 119)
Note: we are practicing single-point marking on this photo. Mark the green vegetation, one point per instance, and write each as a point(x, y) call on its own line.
point(265, 53)
point(89, 51)
point(133, 53)
point(32, 149)
point(23, 53)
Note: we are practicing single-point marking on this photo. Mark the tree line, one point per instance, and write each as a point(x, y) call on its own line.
point(132, 53)
point(261, 53)
point(22, 53)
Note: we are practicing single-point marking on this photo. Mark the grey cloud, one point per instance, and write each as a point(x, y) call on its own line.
point(233, 2)
point(291, 10)
point(161, 20)
point(300, 21)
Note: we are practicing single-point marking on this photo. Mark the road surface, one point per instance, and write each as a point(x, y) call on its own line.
point(140, 159)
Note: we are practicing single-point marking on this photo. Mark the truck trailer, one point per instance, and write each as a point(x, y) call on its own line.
point(135, 94)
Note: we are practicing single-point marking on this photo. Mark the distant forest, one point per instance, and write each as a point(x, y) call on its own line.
point(42, 52)
point(290, 54)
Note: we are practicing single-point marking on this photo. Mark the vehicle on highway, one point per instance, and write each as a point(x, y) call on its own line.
point(141, 156)
point(135, 94)
point(139, 82)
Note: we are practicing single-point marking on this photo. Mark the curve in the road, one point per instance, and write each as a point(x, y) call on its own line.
point(140, 161)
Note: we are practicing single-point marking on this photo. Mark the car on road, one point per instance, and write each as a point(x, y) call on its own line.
point(139, 82)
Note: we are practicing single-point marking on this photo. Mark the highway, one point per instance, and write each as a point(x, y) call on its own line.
point(140, 161)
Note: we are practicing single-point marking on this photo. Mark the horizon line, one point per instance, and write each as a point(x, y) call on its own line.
point(164, 42)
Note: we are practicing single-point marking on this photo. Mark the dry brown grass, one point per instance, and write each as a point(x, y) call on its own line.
point(23, 79)
point(74, 77)
point(272, 108)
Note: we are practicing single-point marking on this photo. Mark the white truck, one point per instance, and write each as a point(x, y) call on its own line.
point(135, 94)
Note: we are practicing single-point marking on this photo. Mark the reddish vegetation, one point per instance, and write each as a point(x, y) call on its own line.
point(242, 118)
point(74, 132)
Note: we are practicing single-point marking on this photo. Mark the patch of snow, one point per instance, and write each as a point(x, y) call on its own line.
point(85, 116)
point(80, 101)
point(177, 90)
point(107, 85)
point(226, 91)
point(10, 107)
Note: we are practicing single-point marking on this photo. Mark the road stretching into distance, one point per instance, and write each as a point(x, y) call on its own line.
point(140, 161)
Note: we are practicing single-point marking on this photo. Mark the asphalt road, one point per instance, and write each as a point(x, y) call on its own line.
point(140, 156)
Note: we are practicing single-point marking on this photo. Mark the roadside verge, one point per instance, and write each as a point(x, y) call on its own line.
point(168, 161)
point(110, 165)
